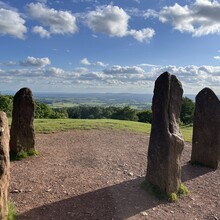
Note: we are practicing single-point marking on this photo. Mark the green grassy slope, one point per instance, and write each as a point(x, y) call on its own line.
point(55, 125)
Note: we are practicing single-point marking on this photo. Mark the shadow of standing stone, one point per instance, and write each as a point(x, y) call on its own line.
point(166, 142)
point(4, 165)
point(206, 130)
point(22, 127)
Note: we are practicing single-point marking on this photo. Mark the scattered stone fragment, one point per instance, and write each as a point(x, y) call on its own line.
point(130, 174)
point(144, 214)
point(22, 127)
point(206, 127)
point(166, 142)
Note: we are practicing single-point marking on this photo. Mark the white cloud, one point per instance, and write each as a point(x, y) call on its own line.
point(36, 62)
point(85, 61)
point(119, 78)
point(41, 31)
point(116, 69)
point(11, 23)
point(53, 71)
point(110, 20)
point(200, 18)
point(113, 21)
point(142, 35)
point(8, 63)
point(99, 63)
point(147, 65)
point(194, 76)
point(217, 57)
point(150, 13)
point(59, 22)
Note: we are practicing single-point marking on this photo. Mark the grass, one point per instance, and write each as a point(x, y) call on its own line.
point(11, 211)
point(56, 125)
point(183, 190)
point(173, 197)
point(23, 154)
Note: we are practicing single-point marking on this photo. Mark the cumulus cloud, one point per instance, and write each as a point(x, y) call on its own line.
point(193, 78)
point(36, 62)
point(117, 69)
point(109, 19)
point(11, 23)
point(100, 63)
point(41, 31)
point(113, 21)
point(59, 22)
point(53, 71)
point(143, 34)
point(217, 57)
point(85, 61)
point(200, 18)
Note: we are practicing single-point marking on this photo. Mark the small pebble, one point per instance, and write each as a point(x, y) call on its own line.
point(144, 213)
point(130, 174)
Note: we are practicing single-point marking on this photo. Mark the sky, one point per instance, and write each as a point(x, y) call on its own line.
point(89, 46)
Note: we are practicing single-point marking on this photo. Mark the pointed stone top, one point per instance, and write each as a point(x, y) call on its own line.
point(24, 90)
point(207, 92)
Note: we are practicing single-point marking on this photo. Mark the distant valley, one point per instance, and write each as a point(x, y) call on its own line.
point(60, 100)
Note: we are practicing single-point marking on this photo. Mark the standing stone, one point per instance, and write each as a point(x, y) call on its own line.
point(4, 165)
point(22, 127)
point(206, 130)
point(166, 142)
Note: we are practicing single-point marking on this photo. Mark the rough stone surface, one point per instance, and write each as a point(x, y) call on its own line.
point(22, 128)
point(166, 142)
point(206, 130)
point(4, 165)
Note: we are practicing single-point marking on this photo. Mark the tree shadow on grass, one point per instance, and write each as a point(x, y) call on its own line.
point(119, 201)
point(189, 171)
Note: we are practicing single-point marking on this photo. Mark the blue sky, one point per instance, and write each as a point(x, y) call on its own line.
point(108, 46)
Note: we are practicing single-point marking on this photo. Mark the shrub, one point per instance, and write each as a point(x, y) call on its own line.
point(172, 197)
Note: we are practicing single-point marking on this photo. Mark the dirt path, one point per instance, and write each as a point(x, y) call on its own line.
point(96, 174)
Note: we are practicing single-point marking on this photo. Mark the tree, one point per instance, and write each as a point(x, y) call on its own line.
point(187, 111)
point(145, 116)
point(125, 113)
point(6, 104)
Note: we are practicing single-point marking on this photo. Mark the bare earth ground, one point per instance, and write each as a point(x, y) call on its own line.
point(96, 174)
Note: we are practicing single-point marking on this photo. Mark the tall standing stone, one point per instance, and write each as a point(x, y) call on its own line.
point(4, 165)
point(22, 127)
point(166, 142)
point(206, 130)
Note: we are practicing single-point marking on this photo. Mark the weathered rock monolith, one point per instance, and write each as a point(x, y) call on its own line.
point(206, 130)
point(4, 165)
point(166, 142)
point(22, 127)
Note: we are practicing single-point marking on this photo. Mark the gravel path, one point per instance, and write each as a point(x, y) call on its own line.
point(96, 174)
